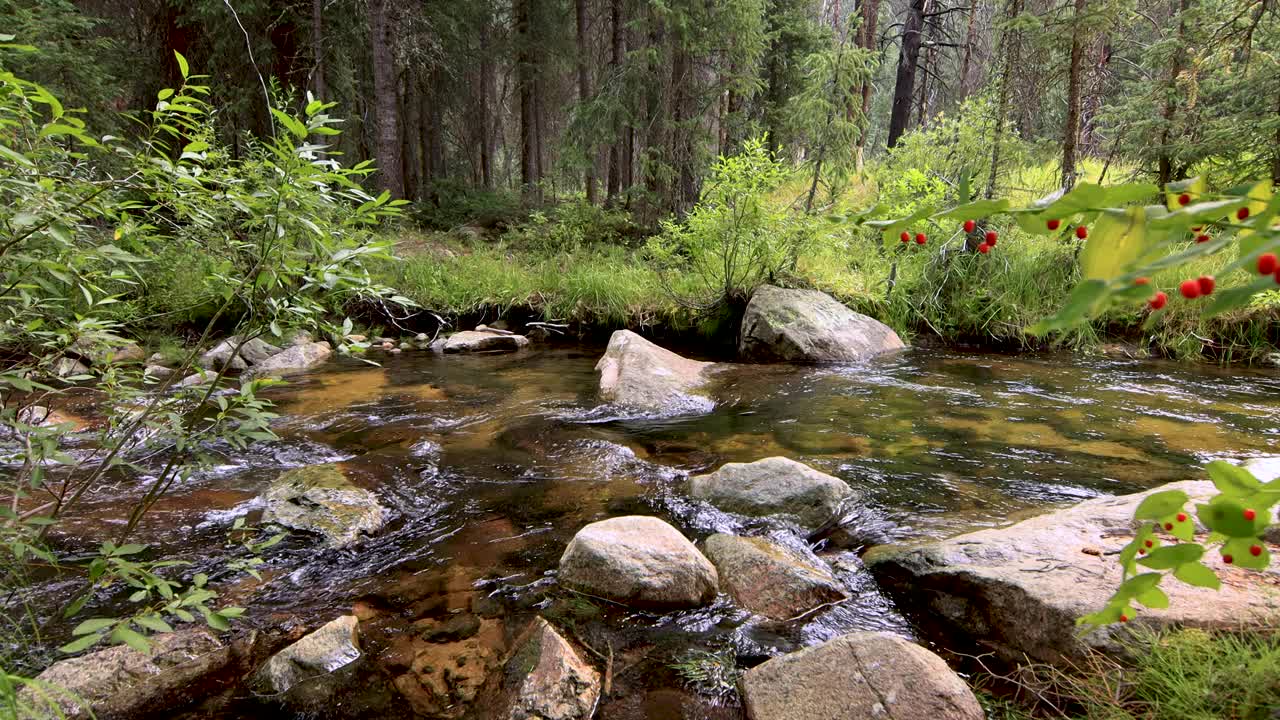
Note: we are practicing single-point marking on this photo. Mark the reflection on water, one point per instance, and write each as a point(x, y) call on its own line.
point(490, 465)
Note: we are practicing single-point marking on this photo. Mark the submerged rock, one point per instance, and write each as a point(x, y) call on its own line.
point(319, 499)
point(107, 349)
point(251, 353)
point(638, 561)
point(120, 682)
point(69, 367)
point(313, 660)
point(773, 486)
point(860, 675)
point(545, 679)
point(48, 417)
point(295, 359)
point(1019, 590)
point(637, 374)
point(809, 326)
point(769, 579)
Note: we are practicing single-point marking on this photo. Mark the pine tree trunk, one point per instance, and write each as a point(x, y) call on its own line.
point(387, 141)
point(584, 91)
point(1071, 132)
point(970, 37)
point(867, 41)
point(1164, 169)
point(530, 166)
point(319, 89)
point(1012, 43)
point(613, 182)
point(484, 111)
point(1091, 102)
point(908, 57)
point(410, 141)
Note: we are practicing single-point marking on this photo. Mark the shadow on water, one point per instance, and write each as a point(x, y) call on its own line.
point(490, 464)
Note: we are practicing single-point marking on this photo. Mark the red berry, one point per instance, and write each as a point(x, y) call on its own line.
point(1242, 213)
point(1184, 199)
point(920, 238)
point(969, 225)
point(1206, 284)
point(1182, 517)
point(1255, 550)
point(1158, 301)
point(1190, 289)
point(1197, 228)
point(906, 236)
point(984, 248)
point(1268, 263)
point(1228, 559)
point(1124, 618)
point(1142, 281)
point(1278, 277)
point(1249, 514)
point(1149, 543)
point(1054, 224)
point(991, 237)
point(1202, 238)
point(1168, 526)
point(1142, 551)
point(1082, 232)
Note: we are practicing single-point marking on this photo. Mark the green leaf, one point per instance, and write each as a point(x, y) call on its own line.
point(80, 644)
point(130, 549)
point(153, 623)
point(298, 129)
point(1232, 480)
point(182, 64)
point(1241, 552)
point(128, 636)
point(1226, 516)
point(1116, 240)
point(1171, 556)
point(164, 94)
point(1197, 575)
point(1158, 505)
point(94, 625)
point(1138, 584)
point(1153, 598)
point(973, 211)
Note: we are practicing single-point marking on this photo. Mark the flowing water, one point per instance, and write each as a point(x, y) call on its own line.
point(491, 463)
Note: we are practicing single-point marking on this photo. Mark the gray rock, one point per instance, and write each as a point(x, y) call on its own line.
point(47, 417)
point(769, 579)
point(638, 561)
point(106, 349)
point(1019, 590)
point(773, 486)
point(319, 499)
point(251, 353)
point(69, 367)
point(302, 337)
point(158, 359)
point(636, 374)
point(118, 682)
point(314, 658)
point(159, 372)
point(199, 377)
point(545, 679)
point(809, 326)
point(860, 675)
point(295, 359)
point(471, 341)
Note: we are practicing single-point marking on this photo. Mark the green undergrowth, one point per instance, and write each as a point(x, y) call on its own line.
point(951, 295)
point(1188, 674)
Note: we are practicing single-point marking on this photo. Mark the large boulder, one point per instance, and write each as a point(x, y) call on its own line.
point(545, 679)
point(313, 661)
point(320, 499)
point(251, 352)
point(769, 579)
point(106, 349)
point(638, 561)
point(860, 675)
point(773, 486)
point(473, 341)
point(120, 682)
point(294, 359)
point(1019, 590)
point(809, 326)
point(637, 374)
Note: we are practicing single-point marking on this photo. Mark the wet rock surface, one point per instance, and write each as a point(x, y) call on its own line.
point(546, 679)
point(293, 360)
point(307, 669)
point(860, 675)
point(809, 326)
point(638, 561)
point(637, 374)
point(773, 486)
point(475, 341)
point(320, 499)
point(770, 579)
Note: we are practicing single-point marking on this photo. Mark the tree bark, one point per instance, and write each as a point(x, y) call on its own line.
point(1164, 170)
point(1091, 102)
point(970, 37)
point(410, 140)
point(1012, 43)
point(908, 57)
point(1071, 132)
point(387, 141)
point(584, 92)
point(484, 111)
point(530, 165)
point(867, 36)
point(613, 182)
point(319, 88)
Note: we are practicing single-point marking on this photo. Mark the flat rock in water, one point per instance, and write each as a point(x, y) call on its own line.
point(251, 353)
point(472, 341)
point(120, 682)
point(860, 675)
point(107, 349)
point(319, 499)
point(639, 561)
point(295, 359)
point(769, 579)
point(545, 679)
point(314, 658)
point(773, 486)
point(809, 326)
point(1018, 590)
point(636, 374)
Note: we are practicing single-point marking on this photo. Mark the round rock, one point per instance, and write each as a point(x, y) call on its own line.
point(773, 486)
point(638, 561)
